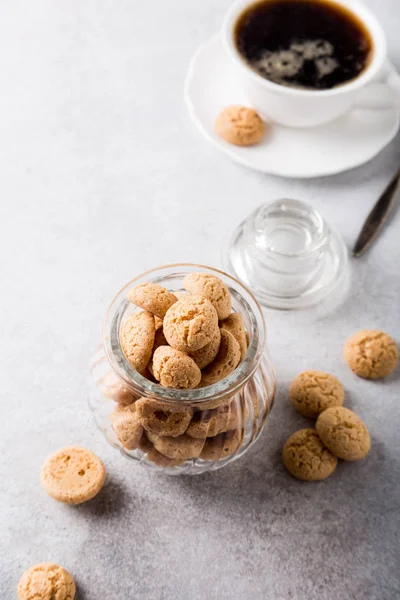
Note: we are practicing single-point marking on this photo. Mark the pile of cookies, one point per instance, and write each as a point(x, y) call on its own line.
point(312, 454)
point(183, 340)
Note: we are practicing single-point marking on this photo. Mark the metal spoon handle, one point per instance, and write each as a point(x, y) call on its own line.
point(377, 217)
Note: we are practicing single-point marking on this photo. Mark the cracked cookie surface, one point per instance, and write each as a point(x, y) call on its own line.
point(175, 369)
point(73, 475)
point(212, 288)
point(239, 125)
point(312, 392)
point(343, 433)
point(306, 458)
point(190, 323)
point(153, 298)
point(46, 581)
point(225, 362)
point(234, 324)
point(371, 354)
point(137, 340)
point(163, 418)
point(206, 355)
point(127, 426)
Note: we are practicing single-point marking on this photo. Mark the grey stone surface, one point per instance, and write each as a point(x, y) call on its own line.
point(102, 175)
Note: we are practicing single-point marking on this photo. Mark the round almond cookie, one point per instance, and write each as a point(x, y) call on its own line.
point(239, 125)
point(46, 581)
point(73, 475)
point(234, 324)
point(212, 288)
point(127, 426)
point(221, 446)
point(175, 369)
point(182, 447)
point(190, 323)
point(225, 362)
point(306, 458)
point(116, 389)
point(152, 298)
point(162, 418)
point(371, 354)
point(206, 355)
point(163, 461)
point(312, 392)
point(211, 423)
point(343, 433)
point(137, 340)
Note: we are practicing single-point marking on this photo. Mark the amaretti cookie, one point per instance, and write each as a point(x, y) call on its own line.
point(224, 418)
point(163, 418)
point(306, 458)
point(225, 362)
point(240, 125)
point(153, 298)
point(371, 354)
point(182, 447)
point(343, 433)
point(312, 392)
point(127, 426)
point(190, 323)
point(234, 324)
point(73, 475)
point(175, 369)
point(212, 288)
point(137, 340)
point(221, 446)
point(206, 355)
point(46, 581)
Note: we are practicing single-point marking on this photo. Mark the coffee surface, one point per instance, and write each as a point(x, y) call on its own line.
point(309, 44)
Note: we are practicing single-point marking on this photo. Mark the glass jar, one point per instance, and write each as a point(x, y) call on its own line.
point(215, 424)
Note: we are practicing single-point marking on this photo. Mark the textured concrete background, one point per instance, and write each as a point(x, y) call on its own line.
point(102, 176)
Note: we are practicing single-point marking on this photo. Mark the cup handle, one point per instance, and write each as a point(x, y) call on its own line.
point(380, 96)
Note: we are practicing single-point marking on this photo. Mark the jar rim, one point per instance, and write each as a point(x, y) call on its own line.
point(143, 386)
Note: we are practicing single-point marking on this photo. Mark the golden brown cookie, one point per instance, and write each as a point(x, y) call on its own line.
point(46, 581)
point(175, 369)
point(306, 458)
point(163, 418)
point(206, 355)
point(137, 340)
point(73, 475)
point(210, 423)
point(343, 433)
point(225, 362)
point(190, 323)
point(116, 389)
point(212, 288)
point(371, 354)
point(127, 426)
point(221, 446)
point(311, 392)
point(153, 298)
point(182, 447)
point(163, 461)
point(239, 125)
point(234, 324)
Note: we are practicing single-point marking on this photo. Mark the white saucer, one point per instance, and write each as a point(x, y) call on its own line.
point(347, 142)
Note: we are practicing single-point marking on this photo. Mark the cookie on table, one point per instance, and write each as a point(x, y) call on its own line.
point(213, 422)
point(212, 288)
point(221, 446)
point(240, 125)
point(175, 369)
point(206, 355)
point(225, 362)
point(343, 433)
point(153, 298)
point(137, 340)
point(182, 447)
point(190, 323)
point(371, 354)
point(234, 324)
point(73, 475)
point(46, 581)
point(306, 458)
point(163, 418)
point(127, 425)
point(312, 392)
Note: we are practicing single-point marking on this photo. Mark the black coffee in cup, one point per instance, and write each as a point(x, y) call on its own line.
point(308, 44)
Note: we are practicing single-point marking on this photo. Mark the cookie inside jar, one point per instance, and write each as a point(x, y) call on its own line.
point(191, 353)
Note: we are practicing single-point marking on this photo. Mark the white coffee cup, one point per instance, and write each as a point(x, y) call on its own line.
point(377, 87)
